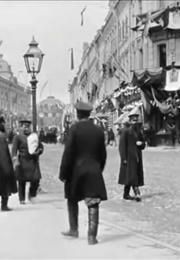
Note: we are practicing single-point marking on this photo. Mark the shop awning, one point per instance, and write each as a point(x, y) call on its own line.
point(149, 76)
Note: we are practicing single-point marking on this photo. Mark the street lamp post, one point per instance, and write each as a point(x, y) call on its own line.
point(33, 60)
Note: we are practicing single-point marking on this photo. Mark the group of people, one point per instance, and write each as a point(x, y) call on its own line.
point(81, 168)
point(83, 162)
point(20, 166)
point(49, 136)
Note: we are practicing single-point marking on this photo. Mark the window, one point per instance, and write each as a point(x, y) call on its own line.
point(123, 30)
point(140, 59)
point(120, 31)
point(127, 26)
point(162, 55)
point(140, 6)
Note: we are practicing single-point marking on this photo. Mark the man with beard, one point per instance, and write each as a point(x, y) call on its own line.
point(27, 167)
point(7, 178)
point(130, 148)
point(81, 170)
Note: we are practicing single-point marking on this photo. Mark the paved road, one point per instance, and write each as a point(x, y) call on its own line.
point(32, 231)
point(157, 216)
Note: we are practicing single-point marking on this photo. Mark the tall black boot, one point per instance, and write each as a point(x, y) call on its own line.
point(73, 211)
point(4, 202)
point(137, 194)
point(126, 195)
point(93, 215)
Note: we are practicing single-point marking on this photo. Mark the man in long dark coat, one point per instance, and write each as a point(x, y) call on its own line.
point(27, 168)
point(7, 178)
point(81, 169)
point(130, 148)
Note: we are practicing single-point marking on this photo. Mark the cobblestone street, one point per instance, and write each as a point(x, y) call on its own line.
point(157, 216)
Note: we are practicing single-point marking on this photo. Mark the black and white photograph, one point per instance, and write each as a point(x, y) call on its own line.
point(90, 129)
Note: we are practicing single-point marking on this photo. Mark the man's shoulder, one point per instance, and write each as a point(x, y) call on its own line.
point(19, 135)
point(125, 130)
point(2, 135)
point(88, 126)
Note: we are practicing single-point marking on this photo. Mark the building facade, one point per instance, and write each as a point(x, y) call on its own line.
point(15, 98)
point(133, 41)
point(50, 113)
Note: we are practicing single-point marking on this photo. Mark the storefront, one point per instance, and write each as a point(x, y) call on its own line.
point(160, 94)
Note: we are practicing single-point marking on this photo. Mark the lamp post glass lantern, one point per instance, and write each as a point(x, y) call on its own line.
point(33, 60)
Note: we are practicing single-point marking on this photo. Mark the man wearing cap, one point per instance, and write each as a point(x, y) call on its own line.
point(26, 150)
point(81, 170)
point(130, 148)
point(7, 178)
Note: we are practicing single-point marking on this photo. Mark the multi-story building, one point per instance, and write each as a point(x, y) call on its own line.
point(50, 113)
point(15, 98)
point(132, 48)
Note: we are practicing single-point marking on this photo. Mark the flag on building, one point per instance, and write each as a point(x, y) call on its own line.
point(141, 19)
point(72, 59)
point(94, 89)
point(82, 16)
point(118, 65)
point(169, 18)
point(146, 28)
point(14, 100)
point(146, 102)
point(139, 23)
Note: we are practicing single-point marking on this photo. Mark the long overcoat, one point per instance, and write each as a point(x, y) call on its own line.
point(83, 162)
point(7, 177)
point(29, 169)
point(131, 173)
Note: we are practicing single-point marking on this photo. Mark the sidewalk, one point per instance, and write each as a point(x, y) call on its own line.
point(33, 231)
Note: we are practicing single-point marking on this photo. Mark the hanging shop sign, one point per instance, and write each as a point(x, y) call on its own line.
point(172, 80)
point(174, 20)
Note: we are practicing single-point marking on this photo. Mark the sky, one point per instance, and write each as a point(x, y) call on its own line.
point(56, 26)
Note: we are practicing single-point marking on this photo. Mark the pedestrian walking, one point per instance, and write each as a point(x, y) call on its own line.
point(81, 170)
point(27, 167)
point(130, 149)
point(111, 137)
point(7, 177)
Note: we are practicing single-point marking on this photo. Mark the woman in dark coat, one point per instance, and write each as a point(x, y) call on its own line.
point(27, 168)
point(7, 178)
point(81, 169)
point(131, 169)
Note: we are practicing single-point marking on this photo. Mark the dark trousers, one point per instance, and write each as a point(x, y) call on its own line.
point(4, 191)
point(93, 220)
point(4, 200)
point(127, 190)
point(32, 189)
